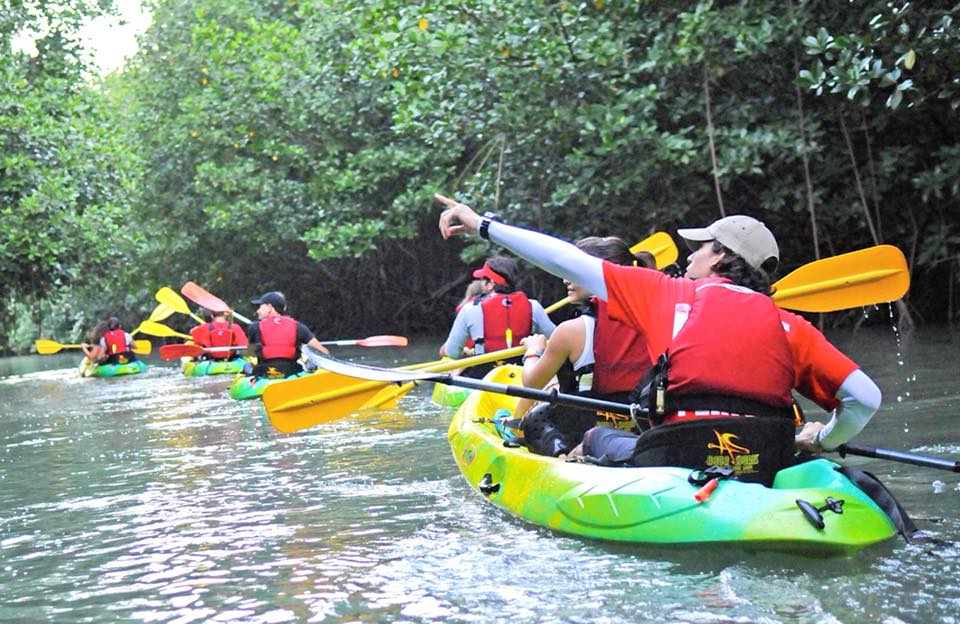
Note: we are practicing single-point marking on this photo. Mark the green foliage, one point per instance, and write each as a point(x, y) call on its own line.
point(297, 144)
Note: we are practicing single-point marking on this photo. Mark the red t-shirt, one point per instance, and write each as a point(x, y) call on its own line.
point(647, 299)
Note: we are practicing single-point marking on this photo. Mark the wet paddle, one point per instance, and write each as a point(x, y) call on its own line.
point(197, 294)
point(899, 456)
point(169, 297)
point(161, 312)
point(159, 329)
point(49, 347)
point(372, 341)
point(860, 278)
point(177, 351)
point(328, 396)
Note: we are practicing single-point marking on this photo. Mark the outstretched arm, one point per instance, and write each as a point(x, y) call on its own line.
point(550, 254)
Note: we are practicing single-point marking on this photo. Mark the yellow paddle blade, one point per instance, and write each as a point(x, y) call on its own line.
point(303, 402)
point(388, 397)
point(49, 347)
point(159, 329)
point(169, 297)
point(851, 280)
point(661, 245)
point(161, 312)
point(142, 347)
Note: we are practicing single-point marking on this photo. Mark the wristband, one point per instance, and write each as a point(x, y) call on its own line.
point(537, 355)
point(485, 224)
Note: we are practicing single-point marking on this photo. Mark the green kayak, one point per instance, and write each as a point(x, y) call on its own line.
point(111, 370)
point(246, 387)
point(449, 396)
point(213, 367)
point(657, 505)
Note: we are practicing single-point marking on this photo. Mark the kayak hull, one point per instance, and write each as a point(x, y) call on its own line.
point(246, 387)
point(203, 368)
point(114, 370)
point(449, 396)
point(657, 505)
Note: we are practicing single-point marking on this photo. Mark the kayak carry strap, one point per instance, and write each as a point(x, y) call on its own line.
point(877, 491)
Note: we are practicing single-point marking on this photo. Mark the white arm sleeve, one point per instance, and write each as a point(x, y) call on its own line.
point(459, 333)
point(859, 400)
point(541, 322)
point(553, 255)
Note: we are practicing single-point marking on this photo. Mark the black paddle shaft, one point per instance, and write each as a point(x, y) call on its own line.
point(552, 396)
point(899, 456)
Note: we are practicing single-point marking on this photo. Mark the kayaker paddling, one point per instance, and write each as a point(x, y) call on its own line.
point(728, 351)
point(218, 330)
point(277, 338)
point(499, 318)
point(110, 344)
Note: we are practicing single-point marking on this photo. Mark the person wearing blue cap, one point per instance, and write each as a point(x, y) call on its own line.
point(277, 338)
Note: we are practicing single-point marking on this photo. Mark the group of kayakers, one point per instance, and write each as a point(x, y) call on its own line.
point(708, 357)
point(276, 339)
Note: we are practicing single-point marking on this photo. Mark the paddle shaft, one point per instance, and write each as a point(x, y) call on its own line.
point(899, 456)
point(546, 396)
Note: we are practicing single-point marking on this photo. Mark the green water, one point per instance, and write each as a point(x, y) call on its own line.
point(156, 498)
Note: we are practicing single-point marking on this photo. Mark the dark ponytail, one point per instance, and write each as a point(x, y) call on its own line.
point(616, 250)
point(736, 269)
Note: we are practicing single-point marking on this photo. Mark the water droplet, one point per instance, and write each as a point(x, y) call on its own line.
point(899, 399)
point(938, 486)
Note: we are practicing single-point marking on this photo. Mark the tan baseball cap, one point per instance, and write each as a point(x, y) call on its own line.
point(745, 236)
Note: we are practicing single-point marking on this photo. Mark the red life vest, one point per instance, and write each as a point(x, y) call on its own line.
point(221, 335)
point(732, 344)
point(502, 312)
point(278, 337)
point(201, 335)
point(620, 352)
point(116, 341)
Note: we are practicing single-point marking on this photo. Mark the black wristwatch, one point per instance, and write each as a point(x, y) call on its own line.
point(485, 224)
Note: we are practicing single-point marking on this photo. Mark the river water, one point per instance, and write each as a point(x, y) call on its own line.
point(159, 499)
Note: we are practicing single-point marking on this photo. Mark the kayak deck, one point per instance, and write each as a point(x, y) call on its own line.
point(657, 505)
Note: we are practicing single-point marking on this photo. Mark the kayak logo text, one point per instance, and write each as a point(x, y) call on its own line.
point(731, 454)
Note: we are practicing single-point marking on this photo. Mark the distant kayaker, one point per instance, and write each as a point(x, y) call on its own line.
point(218, 330)
point(93, 351)
point(499, 318)
point(276, 338)
point(110, 344)
point(727, 350)
point(591, 355)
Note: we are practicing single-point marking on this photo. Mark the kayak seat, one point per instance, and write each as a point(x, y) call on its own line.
point(755, 448)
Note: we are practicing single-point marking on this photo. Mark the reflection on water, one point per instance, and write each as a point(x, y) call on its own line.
point(160, 499)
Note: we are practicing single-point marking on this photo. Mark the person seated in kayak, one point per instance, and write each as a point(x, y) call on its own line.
point(474, 289)
point(276, 338)
point(217, 330)
point(591, 355)
point(497, 319)
point(92, 350)
point(730, 357)
point(114, 345)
